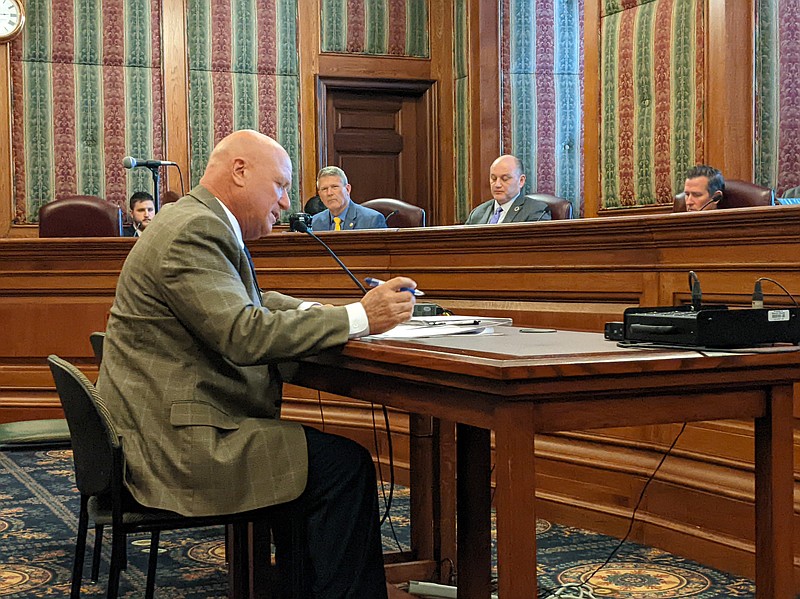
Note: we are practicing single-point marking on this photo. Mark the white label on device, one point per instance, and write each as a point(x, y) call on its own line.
point(778, 315)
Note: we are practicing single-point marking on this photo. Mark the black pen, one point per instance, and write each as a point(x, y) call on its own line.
point(375, 282)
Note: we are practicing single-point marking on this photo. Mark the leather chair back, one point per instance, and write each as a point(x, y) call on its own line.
point(737, 194)
point(80, 216)
point(560, 209)
point(397, 212)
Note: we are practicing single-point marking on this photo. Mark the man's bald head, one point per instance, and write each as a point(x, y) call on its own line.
point(250, 173)
point(506, 178)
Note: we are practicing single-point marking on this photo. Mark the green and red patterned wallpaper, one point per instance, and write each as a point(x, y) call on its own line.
point(376, 27)
point(86, 91)
point(777, 147)
point(652, 98)
point(243, 74)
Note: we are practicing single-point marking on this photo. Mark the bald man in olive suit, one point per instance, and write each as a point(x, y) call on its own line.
point(190, 372)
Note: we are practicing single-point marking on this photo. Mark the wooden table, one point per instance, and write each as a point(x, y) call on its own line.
point(519, 384)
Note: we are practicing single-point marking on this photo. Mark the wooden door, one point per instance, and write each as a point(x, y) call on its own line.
point(379, 137)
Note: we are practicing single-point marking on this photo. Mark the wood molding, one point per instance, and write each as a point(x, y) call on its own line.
point(729, 87)
point(591, 108)
point(309, 40)
point(175, 70)
point(485, 97)
point(6, 163)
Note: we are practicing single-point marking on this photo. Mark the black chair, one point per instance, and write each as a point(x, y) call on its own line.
point(99, 473)
point(560, 208)
point(397, 212)
point(737, 194)
point(80, 216)
point(96, 339)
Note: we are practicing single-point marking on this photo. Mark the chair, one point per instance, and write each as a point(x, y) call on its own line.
point(737, 194)
point(560, 209)
point(397, 212)
point(99, 473)
point(96, 339)
point(80, 216)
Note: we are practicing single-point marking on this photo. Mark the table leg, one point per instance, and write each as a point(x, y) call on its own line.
point(515, 500)
point(423, 496)
point(237, 554)
point(774, 496)
point(474, 512)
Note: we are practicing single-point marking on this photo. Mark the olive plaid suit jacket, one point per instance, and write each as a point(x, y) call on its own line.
point(189, 368)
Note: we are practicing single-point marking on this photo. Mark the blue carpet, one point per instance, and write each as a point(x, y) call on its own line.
point(38, 523)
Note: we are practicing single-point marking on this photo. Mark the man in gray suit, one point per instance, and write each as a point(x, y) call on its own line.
point(190, 372)
point(342, 213)
point(506, 180)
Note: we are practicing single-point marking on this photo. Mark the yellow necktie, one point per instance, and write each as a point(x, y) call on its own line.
point(337, 223)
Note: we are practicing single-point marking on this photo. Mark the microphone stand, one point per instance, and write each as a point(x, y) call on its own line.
point(154, 170)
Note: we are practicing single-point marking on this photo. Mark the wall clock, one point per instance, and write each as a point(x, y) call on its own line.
point(12, 19)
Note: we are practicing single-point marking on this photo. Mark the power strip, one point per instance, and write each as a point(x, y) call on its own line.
point(430, 589)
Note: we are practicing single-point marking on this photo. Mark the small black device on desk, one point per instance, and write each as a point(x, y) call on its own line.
point(712, 326)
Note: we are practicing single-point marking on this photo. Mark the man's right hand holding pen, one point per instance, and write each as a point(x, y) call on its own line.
point(388, 304)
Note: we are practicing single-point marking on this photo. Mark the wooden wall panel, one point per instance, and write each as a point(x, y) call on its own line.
point(574, 275)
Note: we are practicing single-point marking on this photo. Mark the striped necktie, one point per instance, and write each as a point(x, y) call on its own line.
point(252, 267)
point(337, 223)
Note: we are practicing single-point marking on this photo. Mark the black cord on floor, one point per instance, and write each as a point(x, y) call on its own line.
point(550, 592)
point(387, 501)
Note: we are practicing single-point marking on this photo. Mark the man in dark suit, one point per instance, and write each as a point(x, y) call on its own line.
point(342, 213)
point(506, 180)
point(190, 372)
point(142, 210)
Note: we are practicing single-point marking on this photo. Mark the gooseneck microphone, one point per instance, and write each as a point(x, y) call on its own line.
point(131, 162)
point(545, 211)
point(390, 215)
point(714, 199)
point(697, 293)
point(300, 226)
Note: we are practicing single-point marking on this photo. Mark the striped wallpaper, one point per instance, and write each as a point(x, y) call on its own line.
point(376, 27)
point(652, 98)
point(243, 74)
point(777, 119)
point(542, 93)
point(86, 92)
point(461, 109)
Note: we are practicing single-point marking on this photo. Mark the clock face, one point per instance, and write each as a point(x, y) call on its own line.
point(12, 17)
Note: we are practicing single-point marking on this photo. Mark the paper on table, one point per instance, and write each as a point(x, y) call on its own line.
point(440, 326)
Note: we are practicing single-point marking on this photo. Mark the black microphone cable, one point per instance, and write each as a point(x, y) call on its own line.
point(583, 585)
point(300, 226)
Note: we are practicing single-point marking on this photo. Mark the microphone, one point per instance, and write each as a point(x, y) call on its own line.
point(301, 227)
point(390, 215)
point(131, 162)
point(697, 294)
point(715, 198)
point(545, 211)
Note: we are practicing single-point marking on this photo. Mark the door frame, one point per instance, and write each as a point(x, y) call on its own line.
point(421, 88)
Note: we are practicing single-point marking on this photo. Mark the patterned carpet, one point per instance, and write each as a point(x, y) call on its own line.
point(38, 521)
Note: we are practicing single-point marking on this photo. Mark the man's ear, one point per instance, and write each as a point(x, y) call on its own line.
point(522, 180)
point(238, 169)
